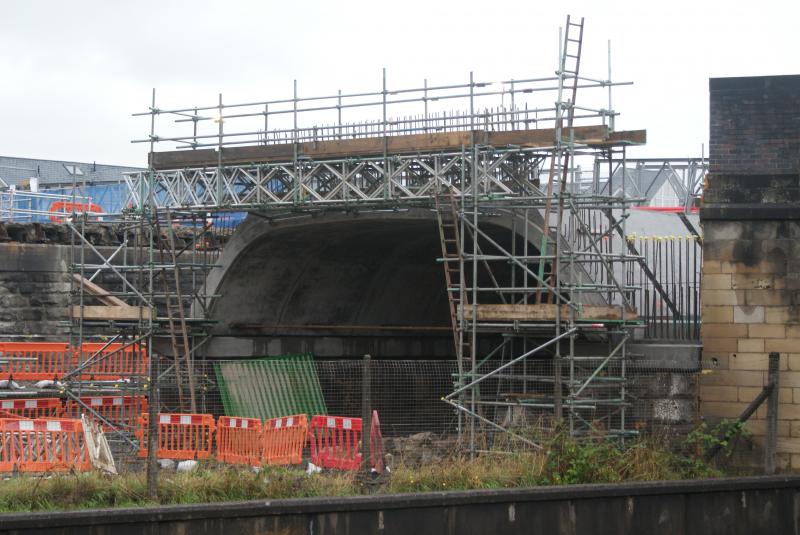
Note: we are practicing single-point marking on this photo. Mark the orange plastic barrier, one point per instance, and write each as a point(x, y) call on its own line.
point(120, 411)
point(34, 361)
point(42, 445)
point(33, 407)
point(121, 361)
point(284, 439)
point(335, 442)
point(239, 440)
point(180, 436)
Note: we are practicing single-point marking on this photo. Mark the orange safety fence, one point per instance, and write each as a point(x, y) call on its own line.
point(180, 436)
point(118, 411)
point(42, 445)
point(114, 362)
point(35, 361)
point(284, 439)
point(32, 408)
point(335, 442)
point(239, 440)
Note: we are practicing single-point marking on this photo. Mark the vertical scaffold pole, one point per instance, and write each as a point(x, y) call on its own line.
point(152, 411)
point(474, 252)
point(771, 441)
point(366, 413)
point(462, 282)
point(219, 155)
point(387, 172)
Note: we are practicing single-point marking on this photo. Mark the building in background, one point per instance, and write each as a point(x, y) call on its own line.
point(33, 189)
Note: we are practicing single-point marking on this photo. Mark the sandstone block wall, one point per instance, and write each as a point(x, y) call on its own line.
point(750, 290)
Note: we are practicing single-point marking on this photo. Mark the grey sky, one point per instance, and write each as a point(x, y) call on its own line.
point(75, 71)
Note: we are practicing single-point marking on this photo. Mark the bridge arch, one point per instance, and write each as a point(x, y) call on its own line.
point(337, 284)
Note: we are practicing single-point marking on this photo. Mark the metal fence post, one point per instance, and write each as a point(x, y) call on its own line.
point(770, 445)
point(152, 427)
point(366, 412)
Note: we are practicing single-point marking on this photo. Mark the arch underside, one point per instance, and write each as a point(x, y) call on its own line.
point(338, 286)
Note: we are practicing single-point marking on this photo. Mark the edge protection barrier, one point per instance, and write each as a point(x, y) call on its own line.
point(33, 361)
point(284, 439)
point(115, 362)
point(43, 445)
point(335, 442)
point(36, 361)
point(120, 411)
point(32, 408)
point(180, 436)
point(239, 440)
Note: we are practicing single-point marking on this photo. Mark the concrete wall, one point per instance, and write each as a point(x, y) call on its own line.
point(702, 507)
point(751, 267)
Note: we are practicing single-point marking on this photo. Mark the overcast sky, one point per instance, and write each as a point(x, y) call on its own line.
point(73, 72)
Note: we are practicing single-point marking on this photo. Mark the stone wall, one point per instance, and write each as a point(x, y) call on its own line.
point(34, 289)
point(751, 267)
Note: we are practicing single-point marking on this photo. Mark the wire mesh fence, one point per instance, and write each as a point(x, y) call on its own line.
point(637, 397)
point(627, 399)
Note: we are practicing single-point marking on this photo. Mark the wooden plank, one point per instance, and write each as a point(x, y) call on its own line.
point(628, 137)
point(545, 137)
point(546, 312)
point(595, 135)
point(344, 147)
point(176, 159)
point(91, 312)
point(100, 293)
point(259, 152)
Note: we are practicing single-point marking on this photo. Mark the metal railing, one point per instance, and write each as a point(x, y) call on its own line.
point(504, 105)
point(27, 206)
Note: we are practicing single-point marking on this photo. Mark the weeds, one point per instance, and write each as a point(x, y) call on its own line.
point(561, 461)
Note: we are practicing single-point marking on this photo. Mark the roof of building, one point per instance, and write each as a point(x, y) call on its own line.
point(14, 171)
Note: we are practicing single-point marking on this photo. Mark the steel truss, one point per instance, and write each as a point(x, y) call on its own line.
point(643, 178)
point(399, 179)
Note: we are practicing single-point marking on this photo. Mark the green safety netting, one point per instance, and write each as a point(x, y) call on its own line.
point(270, 387)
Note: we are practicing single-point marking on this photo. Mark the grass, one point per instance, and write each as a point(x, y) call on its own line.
point(562, 461)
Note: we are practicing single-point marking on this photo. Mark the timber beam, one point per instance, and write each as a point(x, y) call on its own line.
point(594, 136)
point(546, 312)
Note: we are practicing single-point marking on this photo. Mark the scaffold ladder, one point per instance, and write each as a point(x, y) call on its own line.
point(452, 257)
point(176, 316)
point(569, 67)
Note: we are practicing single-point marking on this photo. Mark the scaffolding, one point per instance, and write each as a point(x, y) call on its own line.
point(497, 169)
point(141, 296)
point(571, 288)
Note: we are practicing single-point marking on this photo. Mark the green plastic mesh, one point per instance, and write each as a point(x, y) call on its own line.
point(270, 387)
